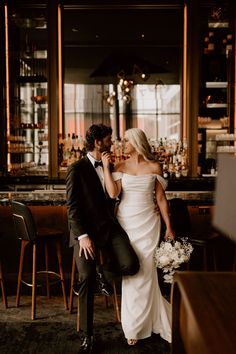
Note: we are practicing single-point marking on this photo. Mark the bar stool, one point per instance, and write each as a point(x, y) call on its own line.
point(30, 235)
point(181, 223)
point(74, 279)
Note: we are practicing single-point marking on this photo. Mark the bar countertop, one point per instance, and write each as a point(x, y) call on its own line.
point(44, 191)
point(58, 197)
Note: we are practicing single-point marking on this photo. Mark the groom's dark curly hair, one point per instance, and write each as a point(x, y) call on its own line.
point(96, 131)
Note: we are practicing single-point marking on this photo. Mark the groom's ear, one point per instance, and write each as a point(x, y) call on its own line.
point(97, 143)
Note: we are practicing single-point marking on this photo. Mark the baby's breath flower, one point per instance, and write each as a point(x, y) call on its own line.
point(170, 255)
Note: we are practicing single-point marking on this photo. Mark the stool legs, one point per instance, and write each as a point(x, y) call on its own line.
point(59, 257)
point(34, 282)
point(77, 321)
point(47, 269)
point(72, 281)
point(71, 298)
point(22, 254)
point(24, 243)
point(115, 302)
point(4, 297)
point(114, 295)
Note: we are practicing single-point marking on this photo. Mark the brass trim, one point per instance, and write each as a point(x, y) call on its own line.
point(7, 70)
point(60, 83)
point(184, 88)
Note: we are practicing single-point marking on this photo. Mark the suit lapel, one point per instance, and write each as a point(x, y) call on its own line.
point(93, 176)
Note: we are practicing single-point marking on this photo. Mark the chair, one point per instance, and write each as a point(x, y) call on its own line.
point(30, 235)
point(181, 223)
point(74, 278)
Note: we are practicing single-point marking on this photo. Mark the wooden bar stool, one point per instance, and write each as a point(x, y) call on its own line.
point(30, 235)
point(75, 278)
point(181, 222)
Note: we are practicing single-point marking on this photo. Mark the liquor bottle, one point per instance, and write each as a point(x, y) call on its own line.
point(229, 44)
point(67, 149)
point(165, 171)
point(68, 142)
point(77, 148)
point(206, 43)
point(211, 43)
point(76, 142)
point(60, 149)
point(177, 169)
point(73, 139)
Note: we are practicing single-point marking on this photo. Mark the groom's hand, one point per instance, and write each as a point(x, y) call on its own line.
point(87, 247)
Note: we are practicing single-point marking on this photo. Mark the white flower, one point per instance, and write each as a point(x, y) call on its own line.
point(170, 255)
point(164, 260)
point(167, 246)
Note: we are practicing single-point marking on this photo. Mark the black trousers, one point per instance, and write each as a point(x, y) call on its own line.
point(120, 259)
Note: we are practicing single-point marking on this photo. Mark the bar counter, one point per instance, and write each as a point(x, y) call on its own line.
point(43, 191)
point(44, 183)
point(56, 197)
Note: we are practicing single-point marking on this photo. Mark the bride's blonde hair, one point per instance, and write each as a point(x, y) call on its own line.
point(138, 139)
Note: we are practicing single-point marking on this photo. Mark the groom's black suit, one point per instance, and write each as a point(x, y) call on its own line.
point(90, 211)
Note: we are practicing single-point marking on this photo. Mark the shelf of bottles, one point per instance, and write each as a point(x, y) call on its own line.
point(172, 154)
point(226, 143)
point(28, 126)
point(214, 110)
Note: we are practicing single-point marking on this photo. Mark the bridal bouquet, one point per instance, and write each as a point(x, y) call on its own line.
point(170, 255)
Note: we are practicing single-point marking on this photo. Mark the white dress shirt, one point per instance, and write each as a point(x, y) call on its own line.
point(98, 169)
point(100, 174)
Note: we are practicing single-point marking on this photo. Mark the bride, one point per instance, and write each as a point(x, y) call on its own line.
point(139, 182)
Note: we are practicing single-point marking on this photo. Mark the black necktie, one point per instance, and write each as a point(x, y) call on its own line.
point(97, 163)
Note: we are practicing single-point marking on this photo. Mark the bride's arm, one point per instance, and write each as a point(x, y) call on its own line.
point(162, 201)
point(164, 209)
point(113, 187)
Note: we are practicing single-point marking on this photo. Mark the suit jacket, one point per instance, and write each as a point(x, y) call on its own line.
point(89, 209)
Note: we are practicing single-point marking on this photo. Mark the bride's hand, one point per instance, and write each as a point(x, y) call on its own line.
point(169, 234)
point(106, 159)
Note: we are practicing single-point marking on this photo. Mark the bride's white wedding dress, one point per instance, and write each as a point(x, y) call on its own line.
point(143, 309)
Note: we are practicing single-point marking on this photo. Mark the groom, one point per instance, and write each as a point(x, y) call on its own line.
point(93, 226)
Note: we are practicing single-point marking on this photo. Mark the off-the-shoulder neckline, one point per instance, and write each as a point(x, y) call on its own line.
point(144, 174)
